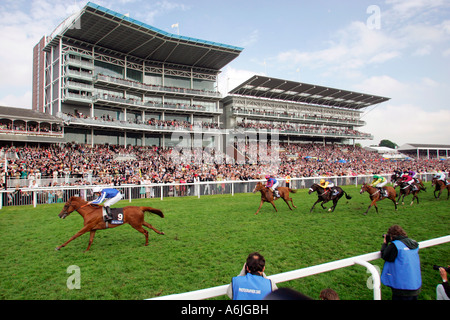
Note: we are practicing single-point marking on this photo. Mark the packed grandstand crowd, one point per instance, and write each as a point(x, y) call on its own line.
point(133, 164)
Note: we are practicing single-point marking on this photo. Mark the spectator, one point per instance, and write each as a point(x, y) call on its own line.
point(286, 294)
point(401, 270)
point(328, 294)
point(443, 289)
point(251, 283)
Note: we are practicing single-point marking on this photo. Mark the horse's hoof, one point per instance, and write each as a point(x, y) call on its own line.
point(57, 248)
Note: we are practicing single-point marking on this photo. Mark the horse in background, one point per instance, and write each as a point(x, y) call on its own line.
point(375, 195)
point(440, 186)
point(335, 193)
point(405, 190)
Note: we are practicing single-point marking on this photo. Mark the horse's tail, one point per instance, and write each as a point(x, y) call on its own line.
point(347, 196)
point(153, 210)
point(292, 190)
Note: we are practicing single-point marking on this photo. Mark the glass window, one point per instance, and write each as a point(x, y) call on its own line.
point(108, 69)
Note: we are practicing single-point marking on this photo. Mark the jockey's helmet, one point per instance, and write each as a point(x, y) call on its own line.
point(96, 189)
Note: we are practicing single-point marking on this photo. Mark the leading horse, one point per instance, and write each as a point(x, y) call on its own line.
point(93, 218)
point(375, 195)
point(267, 195)
point(327, 195)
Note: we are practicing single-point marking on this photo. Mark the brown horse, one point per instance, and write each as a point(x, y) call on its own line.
point(93, 218)
point(376, 196)
point(439, 186)
point(405, 190)
point(267, 195)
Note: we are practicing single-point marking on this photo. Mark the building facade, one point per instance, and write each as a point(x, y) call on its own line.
point(115, 80)
point(299, 112)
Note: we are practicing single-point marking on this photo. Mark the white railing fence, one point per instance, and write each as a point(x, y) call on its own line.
point(46, 195)
point(309, 271)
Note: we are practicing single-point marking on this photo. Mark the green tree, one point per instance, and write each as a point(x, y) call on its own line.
point(388, 143)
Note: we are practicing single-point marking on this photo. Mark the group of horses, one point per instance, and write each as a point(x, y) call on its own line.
point(375, 194)
point(134, 215)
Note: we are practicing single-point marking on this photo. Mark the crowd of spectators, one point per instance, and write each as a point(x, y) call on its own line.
point(158, 124)
point(301, 128)
point(85, 164)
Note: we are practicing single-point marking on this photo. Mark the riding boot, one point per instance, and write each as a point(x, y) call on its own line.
point(108, 216)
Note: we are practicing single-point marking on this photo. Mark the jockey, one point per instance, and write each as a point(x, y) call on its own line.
point(379, 182)
point(413, 174)
point(326, 184)
point(113, 196)
point(406, 178)
point(440, 175)
point(272, 184)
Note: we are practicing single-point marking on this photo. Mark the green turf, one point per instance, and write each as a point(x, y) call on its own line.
point(206, 242)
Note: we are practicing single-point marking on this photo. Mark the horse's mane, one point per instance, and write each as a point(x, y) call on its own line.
point(82, 201)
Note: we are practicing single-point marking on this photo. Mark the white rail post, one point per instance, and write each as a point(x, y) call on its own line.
point(375, 278)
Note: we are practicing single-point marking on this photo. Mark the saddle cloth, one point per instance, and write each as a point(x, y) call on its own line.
point(117, 215)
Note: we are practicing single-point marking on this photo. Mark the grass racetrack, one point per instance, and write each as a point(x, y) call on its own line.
point(206, 243)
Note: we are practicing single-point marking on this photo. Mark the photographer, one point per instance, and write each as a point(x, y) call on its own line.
point(443, 289)
point(251, 283)
point(401, 270)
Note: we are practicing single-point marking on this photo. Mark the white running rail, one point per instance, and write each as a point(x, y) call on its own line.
point(309, 271)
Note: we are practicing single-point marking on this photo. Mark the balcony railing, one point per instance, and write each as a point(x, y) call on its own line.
point(155, 88)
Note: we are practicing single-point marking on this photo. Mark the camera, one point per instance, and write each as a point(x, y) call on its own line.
point(435, 267)
point(388, 237)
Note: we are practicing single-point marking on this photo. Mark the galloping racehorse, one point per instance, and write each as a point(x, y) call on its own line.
point(405, 190)
point(439, 186)
point(376, 196)
point(267, 195)
point(396, 177)
point(93, 218)
point(327, 195)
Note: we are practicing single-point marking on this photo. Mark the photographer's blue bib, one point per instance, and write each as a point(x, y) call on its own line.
point(404, 272)
point(250, 287)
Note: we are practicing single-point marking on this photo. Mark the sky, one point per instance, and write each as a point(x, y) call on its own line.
point(398, 49)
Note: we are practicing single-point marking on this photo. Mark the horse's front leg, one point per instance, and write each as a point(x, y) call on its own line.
point(287, 203)
point(260, 205)
point(373, 203)
point(314, 205)
point(85, 229)
point(273, 204)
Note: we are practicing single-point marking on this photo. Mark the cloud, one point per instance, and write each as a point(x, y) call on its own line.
point(17, 101)
point(407, 117)
point(407, 123)
point(352, 48)
point(251, 39)
point(408, 28)
point(230, 78)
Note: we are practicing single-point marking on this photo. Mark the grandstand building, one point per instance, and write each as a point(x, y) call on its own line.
point(115, 80)
point(112, 79)
point(300, 112)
